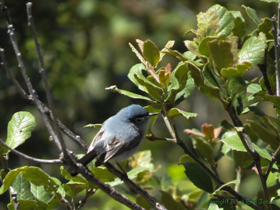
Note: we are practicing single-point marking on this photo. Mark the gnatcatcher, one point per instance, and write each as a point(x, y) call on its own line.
point(119, 138)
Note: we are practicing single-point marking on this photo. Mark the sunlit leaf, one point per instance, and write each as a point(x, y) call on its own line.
point(253, 50)
point(19, 129)
point(175, 112)
point(128, 93)
point(151, 52)
point(252, 14)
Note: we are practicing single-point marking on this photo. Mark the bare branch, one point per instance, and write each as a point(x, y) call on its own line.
point(44, 77)
point(44, 161)
point(131, 184)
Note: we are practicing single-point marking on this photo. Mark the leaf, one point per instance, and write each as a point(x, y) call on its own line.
point(40, 193)
point(226, 20)
point(178, 81)
point(136, 76)
point(98, 126)
point(206, 89)
point(131, 175)
point(24, 204)
point(239, 29)
point(139, 56)
point(205, 149)
point(207, 23)
point(174, 112)
point(203, 48)
point(73, 189)
point(192, 47)
point(221, 53)
point(239, 70)
point(127, 93)
point(265, 27)
point(9, 179)
point(265, 134)
point(232, 140)
point(274, 99)
point(252, 14)
point(22, 188)
point(253, 50)
point(169, 202)
point(19, 129)
point(242, 159)
point(198, 176)
point(151, 52)
point(236, 181)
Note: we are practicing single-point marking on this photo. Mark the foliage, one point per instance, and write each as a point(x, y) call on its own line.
point(216, 61)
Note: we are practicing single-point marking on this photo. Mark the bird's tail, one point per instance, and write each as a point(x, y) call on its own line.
point(84, 161)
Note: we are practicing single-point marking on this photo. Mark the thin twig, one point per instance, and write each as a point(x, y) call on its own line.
point(112, 192)
point(11, 76)
point(44, 161)
point(44, 77)
point(131, 184)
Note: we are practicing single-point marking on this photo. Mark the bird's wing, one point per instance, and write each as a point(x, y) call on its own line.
point(118, 146)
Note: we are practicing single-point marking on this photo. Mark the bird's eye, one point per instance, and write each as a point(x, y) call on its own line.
point(139, 120)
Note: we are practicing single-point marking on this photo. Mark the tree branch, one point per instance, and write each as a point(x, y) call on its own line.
point(44, 161)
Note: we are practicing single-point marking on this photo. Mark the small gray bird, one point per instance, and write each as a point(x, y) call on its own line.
point(119, 138)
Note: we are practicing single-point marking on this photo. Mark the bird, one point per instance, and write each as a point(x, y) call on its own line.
point(119, 138)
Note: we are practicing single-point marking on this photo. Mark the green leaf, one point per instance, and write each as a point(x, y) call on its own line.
point(136, 76)
point(103, 174)
point(9, 179)
point(253, 50)
point(174, 112)
point(24, 204)
point(131, 175)
point(205, 149)
point(22, 188)
point(189, 55)
point(38, 177)
point(226, 20)
point(239, 29)
point(252, 14)
point(207, 23)
point(274, 99)
point(73, 189)
point(98, 126)
point(40, 193)
point(232, 140)
point(178, 81)
point(242, 159)
point(206, 89)
point(127, 93)
point(221, 53)
point(265, 134)
point(203, 45)
point(198, 176)
point(239, 70)
point(168, 201)
point(192, 47)
point(19, 129)
point(265, 27)
point(236, 181)
point(151, 52)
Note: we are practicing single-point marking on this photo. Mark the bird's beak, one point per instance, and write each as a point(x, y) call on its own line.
point(152, 114)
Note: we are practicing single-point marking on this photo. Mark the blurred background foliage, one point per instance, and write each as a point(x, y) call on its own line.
point(85, 47)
